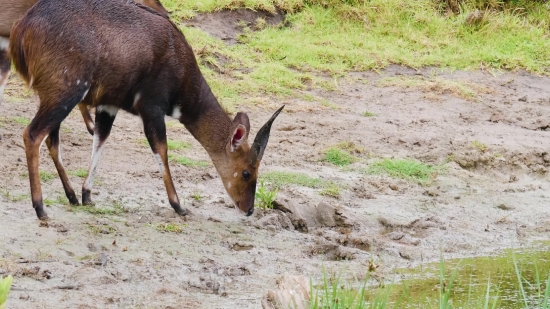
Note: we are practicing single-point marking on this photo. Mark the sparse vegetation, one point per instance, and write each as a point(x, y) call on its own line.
point(47, 176)
point(177, 145)
point(82, 173)
point(280, 179)
point(445, 290)
point(170, 227)
point(338, 157)
point(196, 196)
point(459, 89)
point(5, 287)
point(117, 208)
point(265, 197)
point(22, 121)
point(404, 168)
point(369, 114)
point(188, 162)
point(331, 190)
point(480, 146)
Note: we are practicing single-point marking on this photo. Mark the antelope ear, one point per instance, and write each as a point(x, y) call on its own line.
point(262, 137)
point(239, 136)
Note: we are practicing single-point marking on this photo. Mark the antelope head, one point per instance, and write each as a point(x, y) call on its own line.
point(240, 173)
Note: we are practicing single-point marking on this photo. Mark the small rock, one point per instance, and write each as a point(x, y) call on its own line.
point(394, 187)
point(290, 290)
point(523, 99)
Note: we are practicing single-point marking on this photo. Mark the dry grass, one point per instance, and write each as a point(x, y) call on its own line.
point(439, 86)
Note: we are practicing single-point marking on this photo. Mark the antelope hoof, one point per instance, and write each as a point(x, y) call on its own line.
point(72, 199)
point(86, 199)
point(181, 211)
point(42, 215)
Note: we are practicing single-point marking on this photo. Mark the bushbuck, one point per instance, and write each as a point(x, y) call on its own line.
point(120, 55)
point(12, 10)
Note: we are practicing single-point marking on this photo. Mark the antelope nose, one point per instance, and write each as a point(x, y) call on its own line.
point(250, 212)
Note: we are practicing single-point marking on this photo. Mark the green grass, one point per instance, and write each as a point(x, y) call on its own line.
point(170, 227)
point(506, 281)
point(480, 146)
point(188, 162)
point(282, 179)
point(60, 200)
point(5, 286)
point(82, 173)
point(196, 196)
point(338, 157)
point(333, 37)
point(47, 176)
point(265, 197)
point(172, 145)
point(177, 145)
point(369, 114)
point(22, 121)
point(405, 169)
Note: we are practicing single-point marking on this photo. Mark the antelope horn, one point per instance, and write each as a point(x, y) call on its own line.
point(261, 139)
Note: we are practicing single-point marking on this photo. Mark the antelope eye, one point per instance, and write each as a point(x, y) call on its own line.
point(246, 175)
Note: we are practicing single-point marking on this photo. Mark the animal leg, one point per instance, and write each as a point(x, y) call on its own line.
point(55, 153)
point(87, 118)
point(103, 123)
point(48, 118)
point(155, 131)
point(4, 69)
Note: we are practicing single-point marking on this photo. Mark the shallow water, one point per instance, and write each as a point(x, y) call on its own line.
point(420, 287)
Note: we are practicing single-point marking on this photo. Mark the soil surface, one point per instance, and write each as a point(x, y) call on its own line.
point(483, 198)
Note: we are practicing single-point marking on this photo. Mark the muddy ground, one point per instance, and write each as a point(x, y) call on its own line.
point(482, 199)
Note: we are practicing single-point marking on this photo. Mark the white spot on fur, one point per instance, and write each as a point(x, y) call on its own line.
point(159, 161)
point(235, 175)
point(4, 43)
point(229, 185)
point(176, 113)
point(86, 84)
point(109, 109)
point(85, 93)
point(31, 82)
point(78, 82)
point(137, 97)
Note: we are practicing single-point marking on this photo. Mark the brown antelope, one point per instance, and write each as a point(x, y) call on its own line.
point(12, 10)
point(125, 56)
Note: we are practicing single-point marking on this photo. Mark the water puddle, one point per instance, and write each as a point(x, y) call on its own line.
point(420, 287)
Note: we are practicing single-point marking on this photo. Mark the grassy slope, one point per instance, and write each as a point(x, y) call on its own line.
point(338, 37)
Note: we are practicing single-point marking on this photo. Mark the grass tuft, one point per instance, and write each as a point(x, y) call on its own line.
point(170, 227)
point(82, 173)
point(338, 157)
point(405, 169)
point(188, 162)
point(265, 197)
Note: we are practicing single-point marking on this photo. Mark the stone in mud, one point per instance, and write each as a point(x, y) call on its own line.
point(276, 221)
point(304, 216)
point(290, 290)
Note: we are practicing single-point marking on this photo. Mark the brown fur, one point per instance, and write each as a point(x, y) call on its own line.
point(129, 57)
point(12, 10)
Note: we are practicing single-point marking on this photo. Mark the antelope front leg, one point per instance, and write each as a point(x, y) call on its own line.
point(4, 69)
point(55, 153)
point(104, 118)
point(155, 131)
